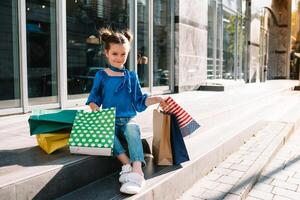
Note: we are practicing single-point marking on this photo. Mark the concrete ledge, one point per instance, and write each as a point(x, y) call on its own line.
point(216, 88)
point(221, 85)
point(297, 87)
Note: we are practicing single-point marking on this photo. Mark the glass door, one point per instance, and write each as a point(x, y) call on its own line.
point(41, 51)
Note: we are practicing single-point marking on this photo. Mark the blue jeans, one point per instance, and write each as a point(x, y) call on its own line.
point(130, 130)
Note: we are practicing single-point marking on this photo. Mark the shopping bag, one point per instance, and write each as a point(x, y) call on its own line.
point(52, 141)
point(185, 121)
point(48, 121)
point(161, 144)
point(93, 132)
point(179, 151)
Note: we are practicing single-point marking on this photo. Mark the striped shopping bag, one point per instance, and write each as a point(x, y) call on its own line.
point(186, 123)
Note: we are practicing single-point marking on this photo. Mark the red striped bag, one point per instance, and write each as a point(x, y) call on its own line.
point(186, 123)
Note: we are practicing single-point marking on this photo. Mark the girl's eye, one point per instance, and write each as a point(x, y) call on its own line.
point(123, 54)
point(114, 54)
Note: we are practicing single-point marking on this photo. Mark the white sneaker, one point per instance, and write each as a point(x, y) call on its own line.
point(126, 169)
point(133, 183)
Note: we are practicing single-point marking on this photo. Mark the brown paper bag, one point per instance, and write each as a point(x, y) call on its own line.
point(161, 145)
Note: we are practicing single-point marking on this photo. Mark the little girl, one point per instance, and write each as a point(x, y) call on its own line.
point(117, 87)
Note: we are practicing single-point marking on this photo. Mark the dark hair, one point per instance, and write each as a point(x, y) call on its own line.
point(107, 36)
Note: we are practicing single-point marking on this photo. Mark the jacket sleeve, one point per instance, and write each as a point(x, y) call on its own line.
point(95, 95)
point(139, 99)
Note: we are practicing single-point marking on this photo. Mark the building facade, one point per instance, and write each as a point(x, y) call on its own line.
point(49, 50)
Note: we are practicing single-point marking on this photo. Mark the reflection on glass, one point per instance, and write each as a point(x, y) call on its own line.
point(84, 54)
point(241, 47)
point(210, 39)
point(142, 42)
point(214, 40)
point(41, 51)
point(219, 40)
point(229, 43)
point(161, 42)
point(9, 59)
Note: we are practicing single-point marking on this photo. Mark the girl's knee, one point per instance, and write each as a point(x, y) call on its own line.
point(132, 131)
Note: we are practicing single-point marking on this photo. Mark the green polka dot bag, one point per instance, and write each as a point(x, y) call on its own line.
point(93, 132)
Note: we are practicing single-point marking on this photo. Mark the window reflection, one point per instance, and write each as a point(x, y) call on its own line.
point(161, 42)
point(229, 28)
point(143, 43)
point(210, 39)
point(84, 54)
point(41, 50)
point(9, 59)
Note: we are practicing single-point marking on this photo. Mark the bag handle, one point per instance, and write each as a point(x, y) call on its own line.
point(159, 109)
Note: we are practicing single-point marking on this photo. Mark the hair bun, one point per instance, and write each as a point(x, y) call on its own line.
point(128, 35)
point(104, 34)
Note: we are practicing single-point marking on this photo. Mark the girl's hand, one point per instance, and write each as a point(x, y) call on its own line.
point(94, 107)
point(159, 99)
point(163, 104)
point(153, 100)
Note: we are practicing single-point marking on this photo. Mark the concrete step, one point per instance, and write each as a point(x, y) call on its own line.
point(58, 174)
point(164, 182)
point(206, 151)
point(29, 173)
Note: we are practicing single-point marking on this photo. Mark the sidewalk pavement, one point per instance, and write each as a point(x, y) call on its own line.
point(280, 180)
point(234, 177)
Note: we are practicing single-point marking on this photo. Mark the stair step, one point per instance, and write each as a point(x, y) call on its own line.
point(29, 173)
point(206, 151)
point(168, 182)
point(45, 176)
point(108, 187)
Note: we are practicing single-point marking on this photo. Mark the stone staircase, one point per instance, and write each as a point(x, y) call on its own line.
point(227, 119)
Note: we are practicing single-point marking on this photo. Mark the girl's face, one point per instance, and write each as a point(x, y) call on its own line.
point(117, 54)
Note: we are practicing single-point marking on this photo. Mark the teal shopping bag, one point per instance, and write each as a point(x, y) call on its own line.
point(49, 121)
point(93, 132)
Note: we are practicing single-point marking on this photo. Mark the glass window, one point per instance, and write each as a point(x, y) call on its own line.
point(241, 46)
point(143, 42)
point(210, 39)
point(84, 54)
point(41, 51)
point(219, 40)
point(9, 59)
point(161, 42)
point(229, 28)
